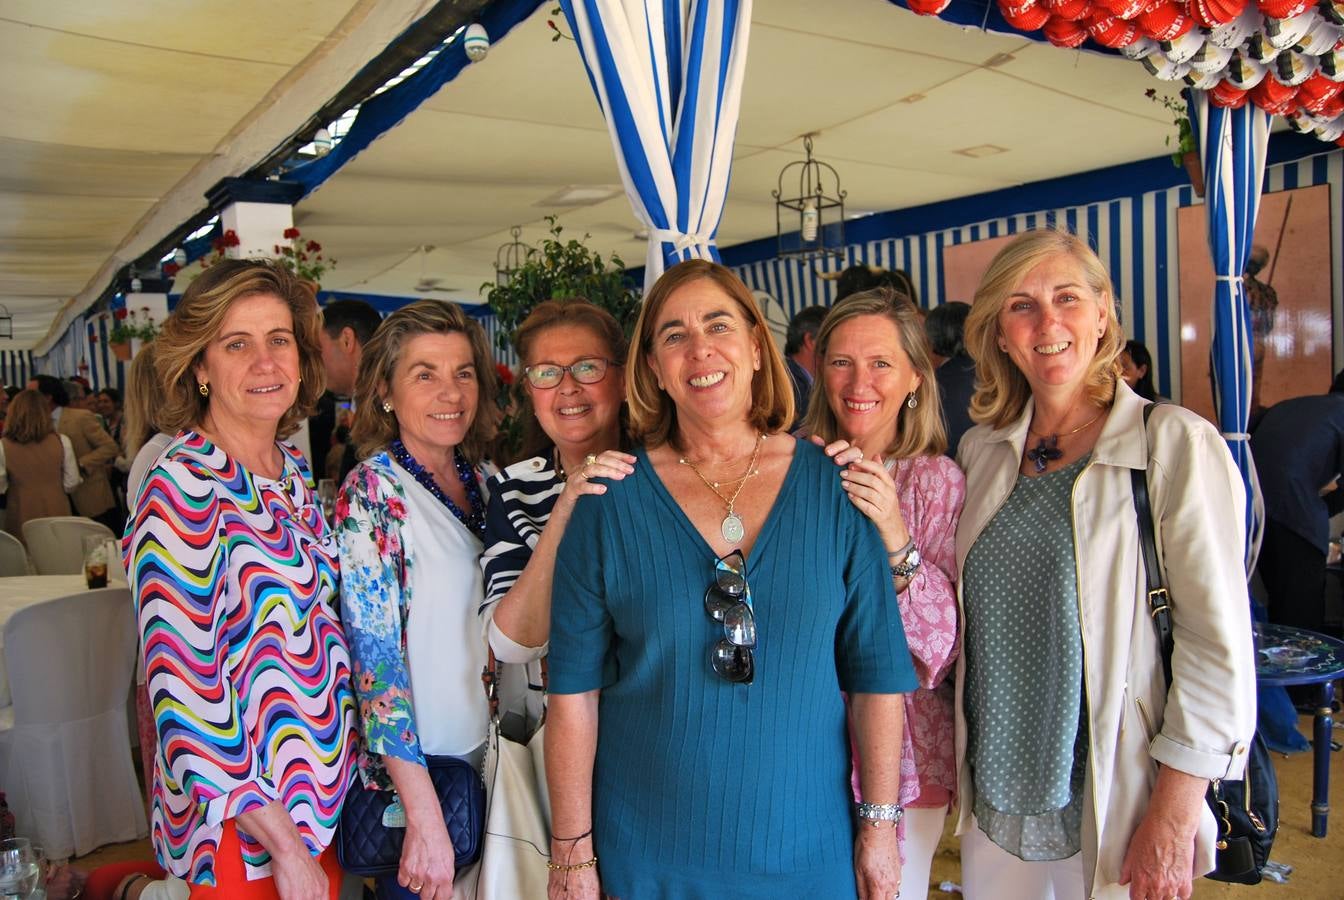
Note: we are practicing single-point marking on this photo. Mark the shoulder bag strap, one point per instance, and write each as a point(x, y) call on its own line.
point(1159, 608)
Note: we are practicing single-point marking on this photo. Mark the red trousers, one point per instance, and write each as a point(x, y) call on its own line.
point(231, 877)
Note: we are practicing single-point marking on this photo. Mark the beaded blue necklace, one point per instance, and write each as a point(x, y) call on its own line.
point(476, 521)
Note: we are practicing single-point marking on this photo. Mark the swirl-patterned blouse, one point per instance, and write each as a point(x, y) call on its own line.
point(235, 578)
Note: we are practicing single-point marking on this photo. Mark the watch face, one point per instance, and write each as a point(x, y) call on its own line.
point(913, 559)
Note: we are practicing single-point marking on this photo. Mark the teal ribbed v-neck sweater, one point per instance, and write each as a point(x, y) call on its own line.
point(704, 788)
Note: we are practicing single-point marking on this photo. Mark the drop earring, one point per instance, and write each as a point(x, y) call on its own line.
point(911, 401)
point(203, 389)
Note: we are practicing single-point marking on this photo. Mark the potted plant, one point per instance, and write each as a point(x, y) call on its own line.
point(1187, 151)
point(130, 326)
point(557, 270)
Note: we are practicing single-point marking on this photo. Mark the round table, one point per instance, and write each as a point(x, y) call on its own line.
point(1285, 656)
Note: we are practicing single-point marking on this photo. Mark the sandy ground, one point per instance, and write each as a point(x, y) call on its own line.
point(1318, 863)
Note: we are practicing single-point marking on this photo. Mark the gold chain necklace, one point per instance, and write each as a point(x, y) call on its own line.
point(731, 527)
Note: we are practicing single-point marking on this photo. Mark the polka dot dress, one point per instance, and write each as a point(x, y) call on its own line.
point(1026, 714)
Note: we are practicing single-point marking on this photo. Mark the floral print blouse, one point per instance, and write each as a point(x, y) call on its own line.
point(377, 565)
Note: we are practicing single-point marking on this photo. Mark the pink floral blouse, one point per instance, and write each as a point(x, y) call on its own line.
point(932, 490)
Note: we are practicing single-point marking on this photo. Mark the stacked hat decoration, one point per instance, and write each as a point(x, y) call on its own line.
point(1284, 56)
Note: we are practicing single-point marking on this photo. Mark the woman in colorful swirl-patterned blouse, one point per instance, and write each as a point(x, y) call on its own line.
point(410, 520)
point(234, 578)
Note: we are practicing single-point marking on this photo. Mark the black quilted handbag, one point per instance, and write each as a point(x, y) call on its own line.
point(1247, 811)
point(369, 849)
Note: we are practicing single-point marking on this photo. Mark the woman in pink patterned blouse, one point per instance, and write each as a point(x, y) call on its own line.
point(878, 406)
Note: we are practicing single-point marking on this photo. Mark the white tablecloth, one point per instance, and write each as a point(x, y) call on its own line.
point(25, 590)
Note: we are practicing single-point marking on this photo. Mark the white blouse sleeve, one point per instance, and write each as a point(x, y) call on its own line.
point(70, 477)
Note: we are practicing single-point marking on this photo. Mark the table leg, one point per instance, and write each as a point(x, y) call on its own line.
point(1321, 734)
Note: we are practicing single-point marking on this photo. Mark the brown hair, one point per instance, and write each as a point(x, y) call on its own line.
point(374, 428)
point(1001, 390)
point(574, 311)
point(653, 416)
point(919, 431)
point(144, 398)
point(28, 420)
point(196, 321)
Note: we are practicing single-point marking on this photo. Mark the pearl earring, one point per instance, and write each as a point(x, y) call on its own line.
point(387, 406)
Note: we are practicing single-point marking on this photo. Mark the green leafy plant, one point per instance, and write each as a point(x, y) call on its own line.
point(559, 269)
point(1185, 132)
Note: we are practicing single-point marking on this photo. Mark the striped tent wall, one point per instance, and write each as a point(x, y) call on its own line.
point(1135, 237)
point(85, 341)
point(16, 367)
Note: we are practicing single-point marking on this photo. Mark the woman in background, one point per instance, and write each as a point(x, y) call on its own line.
point(37, 465)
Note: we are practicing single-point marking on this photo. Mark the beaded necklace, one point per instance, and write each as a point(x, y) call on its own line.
point(476, 521)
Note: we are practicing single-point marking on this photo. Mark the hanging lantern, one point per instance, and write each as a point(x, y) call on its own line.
point(510, 257)
point(816, 213)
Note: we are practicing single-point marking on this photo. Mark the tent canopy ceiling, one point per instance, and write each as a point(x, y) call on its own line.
point(130, 112)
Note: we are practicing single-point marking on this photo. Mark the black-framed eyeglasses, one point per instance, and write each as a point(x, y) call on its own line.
point(589, 370)
point(728, 601)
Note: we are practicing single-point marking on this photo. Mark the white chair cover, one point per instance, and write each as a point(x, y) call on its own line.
point(13, 558)
point(65, 758)
point(56, 543)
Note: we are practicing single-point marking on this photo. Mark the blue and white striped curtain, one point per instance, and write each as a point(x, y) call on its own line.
point(1233, 144)
point(668, 76)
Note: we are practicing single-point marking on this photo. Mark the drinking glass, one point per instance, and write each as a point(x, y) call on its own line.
point(326, 494)
point(95, 561)
point(18, 868)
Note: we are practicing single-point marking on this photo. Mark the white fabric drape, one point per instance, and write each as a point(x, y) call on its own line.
point(668, 76)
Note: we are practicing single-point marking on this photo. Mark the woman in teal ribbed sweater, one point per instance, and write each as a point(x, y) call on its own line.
point(707, 614)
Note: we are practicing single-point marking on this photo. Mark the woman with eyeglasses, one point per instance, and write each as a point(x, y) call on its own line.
point(707, 613)
point(878, 393)
point(573, 355)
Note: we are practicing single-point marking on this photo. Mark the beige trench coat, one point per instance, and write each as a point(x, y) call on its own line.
point(1204, 725)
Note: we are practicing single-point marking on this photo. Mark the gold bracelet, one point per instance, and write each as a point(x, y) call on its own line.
point(561, 867)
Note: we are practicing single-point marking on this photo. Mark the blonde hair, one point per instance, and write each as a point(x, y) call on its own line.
point(919, 431)
point(196, 321)
point(1001, 390)
point(144, 397)
point(27, 420)
point(653, 416)
point(375, 428)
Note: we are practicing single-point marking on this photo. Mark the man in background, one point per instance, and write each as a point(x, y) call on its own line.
point(94, 451)
point(946, 326)
point(800, 356)
point(347, 326)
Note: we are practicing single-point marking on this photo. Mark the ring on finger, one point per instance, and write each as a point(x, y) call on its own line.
point(590, 459)
point(415, 888)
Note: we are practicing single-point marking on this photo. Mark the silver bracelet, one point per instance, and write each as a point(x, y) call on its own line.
point(874, 813)
point(904, 551)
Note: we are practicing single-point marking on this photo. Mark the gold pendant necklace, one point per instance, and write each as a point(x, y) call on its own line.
point(731, 527)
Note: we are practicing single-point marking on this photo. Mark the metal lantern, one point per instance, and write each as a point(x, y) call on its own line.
point(6, 322)
point(511, 256)
point(811, 221)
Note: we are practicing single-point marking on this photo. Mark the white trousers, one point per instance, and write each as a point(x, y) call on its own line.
point(988, 872)
point(923, 830)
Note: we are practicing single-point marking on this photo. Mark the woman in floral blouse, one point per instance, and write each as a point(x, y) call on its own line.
point(878, 394)
point(410, 520)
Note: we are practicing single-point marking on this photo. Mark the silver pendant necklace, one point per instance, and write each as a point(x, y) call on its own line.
point(731, 527)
